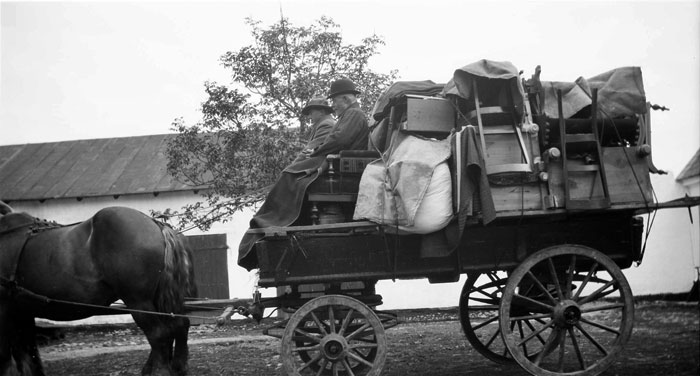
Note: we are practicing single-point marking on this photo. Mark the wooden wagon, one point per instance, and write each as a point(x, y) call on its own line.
point(544, 286)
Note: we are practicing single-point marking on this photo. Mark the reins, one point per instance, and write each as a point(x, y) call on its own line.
point(15, 289)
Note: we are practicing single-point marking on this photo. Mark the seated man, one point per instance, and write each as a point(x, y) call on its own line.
point(283, 204)
point(319, 112)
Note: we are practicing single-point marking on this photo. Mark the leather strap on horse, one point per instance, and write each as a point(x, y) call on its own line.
point(13, 241)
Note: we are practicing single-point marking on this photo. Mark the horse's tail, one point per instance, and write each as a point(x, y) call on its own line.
point(177, 278)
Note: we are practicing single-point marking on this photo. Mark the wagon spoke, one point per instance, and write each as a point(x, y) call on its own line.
point(485, 322)
point(493, 337)
point(579, 356)
point(489, 301)
point(599, 293)
point(602, 308)
point(359, 358)
point(367, 345)
point(347, 367)
point(321, 366)
point(493, 297)
point(533, 301)
point(547, 348)
point(562, 347)
point(570, 276)
point(555, 278)
point(307, 335)
point(536, 317)
point(346, 321)
point(593, 341)
point(601, 326)
point(535, 333)
point(331, 319)
point(532, 328)
point(541, 286)
point(357, 332)
point(307, 364)
point(334, 368)
point(307, 348)
point(318, 322)
point(522, 335)
point(592, 270)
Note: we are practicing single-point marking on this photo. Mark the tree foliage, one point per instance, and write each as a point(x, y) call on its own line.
point(253, 128)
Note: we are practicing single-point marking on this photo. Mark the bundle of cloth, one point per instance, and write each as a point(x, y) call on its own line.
point(410, 187)
point(620, 94)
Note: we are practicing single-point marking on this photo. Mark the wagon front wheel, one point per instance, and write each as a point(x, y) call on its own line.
point(571, 306)
point(334, 335)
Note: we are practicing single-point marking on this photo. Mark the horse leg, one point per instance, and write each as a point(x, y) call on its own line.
point(6, 337)
point(160, 337)
point(26, 353)
point(181, 352)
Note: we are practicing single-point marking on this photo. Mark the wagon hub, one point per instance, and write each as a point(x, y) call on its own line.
point(567, 314)
point(333, 347)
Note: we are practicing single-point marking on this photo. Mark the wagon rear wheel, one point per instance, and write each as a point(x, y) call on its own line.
point(479, 303)
point(333, 335)
point(571, 306)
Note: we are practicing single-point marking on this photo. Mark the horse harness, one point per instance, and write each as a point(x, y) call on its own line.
point(12, 242)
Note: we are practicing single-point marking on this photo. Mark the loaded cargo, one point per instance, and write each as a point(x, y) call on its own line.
point(534, 189)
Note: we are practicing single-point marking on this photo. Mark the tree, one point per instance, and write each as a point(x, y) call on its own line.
point(250, 131)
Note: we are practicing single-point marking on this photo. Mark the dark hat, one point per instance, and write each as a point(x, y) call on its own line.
point(342, 86)
point(316, 103)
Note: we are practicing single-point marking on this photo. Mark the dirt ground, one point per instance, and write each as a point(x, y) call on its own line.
point(665, 341)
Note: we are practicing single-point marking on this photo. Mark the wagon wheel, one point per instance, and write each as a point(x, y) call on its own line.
point(333, 335)
point(478, 313)
point(311, 327)
point(578, 312)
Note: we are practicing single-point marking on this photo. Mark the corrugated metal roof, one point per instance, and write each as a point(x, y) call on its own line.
point(86, 168)
point(692, 169)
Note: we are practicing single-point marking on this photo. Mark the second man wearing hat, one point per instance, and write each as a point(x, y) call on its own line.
point(319, 112)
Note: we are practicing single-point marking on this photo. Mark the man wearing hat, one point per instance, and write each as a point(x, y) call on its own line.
point(351, 129)
point(319, 112)
point(284, 203)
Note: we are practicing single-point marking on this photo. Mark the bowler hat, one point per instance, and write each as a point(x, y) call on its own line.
point(342, 86)
point(316, 103)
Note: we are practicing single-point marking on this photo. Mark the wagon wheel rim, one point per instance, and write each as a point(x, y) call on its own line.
point(334, 335)
point(479, 304)
point(579, 308)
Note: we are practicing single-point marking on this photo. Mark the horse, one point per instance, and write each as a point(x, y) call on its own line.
point(69, 272)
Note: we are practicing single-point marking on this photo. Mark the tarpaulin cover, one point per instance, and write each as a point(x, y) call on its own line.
point(462, 82)
point(620, 94)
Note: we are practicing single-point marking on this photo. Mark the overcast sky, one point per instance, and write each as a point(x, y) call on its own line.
point(80, 70)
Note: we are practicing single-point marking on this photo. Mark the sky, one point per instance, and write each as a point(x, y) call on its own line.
point(82, 70)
